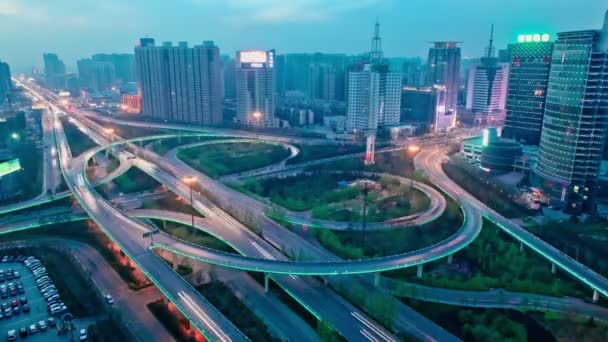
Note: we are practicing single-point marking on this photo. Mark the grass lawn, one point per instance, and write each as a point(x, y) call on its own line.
point(314, 152)
point(494, 260)
point(195, 236)
point(225, 158)
point(238, 313)
point(302, 193)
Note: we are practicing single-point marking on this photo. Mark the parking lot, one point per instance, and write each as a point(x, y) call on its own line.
point(19, 294)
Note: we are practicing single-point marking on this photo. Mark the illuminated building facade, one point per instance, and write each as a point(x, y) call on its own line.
point(444, 74)
point(528, 80)
point(255, 88)
point(575, 121)
point(131, 103)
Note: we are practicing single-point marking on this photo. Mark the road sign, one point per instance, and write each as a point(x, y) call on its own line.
point(149, 234)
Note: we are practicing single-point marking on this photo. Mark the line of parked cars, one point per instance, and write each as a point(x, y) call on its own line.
point(46, 286)
point(13, 307)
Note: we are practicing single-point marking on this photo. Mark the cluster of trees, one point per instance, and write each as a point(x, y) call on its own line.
point(135, 180)
point(497, 262)
point(490, 326)
point(224, 300)
point(484, 192)
point(225, 158)
point(79, 142)
point(582, 241)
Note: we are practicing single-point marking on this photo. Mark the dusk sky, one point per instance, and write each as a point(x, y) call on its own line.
point(78, 28)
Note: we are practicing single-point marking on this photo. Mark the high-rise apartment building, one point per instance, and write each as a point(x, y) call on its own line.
point(54, 71)
point(5, 81)
point(96, 75)
point(124, 65)
point(255, 88)
point(530, 60)
point(374, 93)
point(179, 83)
point(576, 119)
point(443, 72)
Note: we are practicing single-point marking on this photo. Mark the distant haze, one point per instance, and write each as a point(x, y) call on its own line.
point(78, 28)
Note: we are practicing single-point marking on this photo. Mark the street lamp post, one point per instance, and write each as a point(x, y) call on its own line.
point(190, 181)
point(365, 192)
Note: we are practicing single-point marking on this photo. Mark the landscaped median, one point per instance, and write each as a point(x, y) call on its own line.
point(222, 158)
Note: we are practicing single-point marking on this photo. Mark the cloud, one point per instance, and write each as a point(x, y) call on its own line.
point(278, 11)
point(21, 11)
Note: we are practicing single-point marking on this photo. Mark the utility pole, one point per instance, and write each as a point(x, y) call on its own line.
point(365, 191)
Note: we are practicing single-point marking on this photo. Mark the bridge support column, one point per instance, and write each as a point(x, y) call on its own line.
point(596, 296)
point(553, 269)
point(450, 258)
point(266, 282)
point(107, 152)
point(376, 279)
point(419, 271)
point(521, 247)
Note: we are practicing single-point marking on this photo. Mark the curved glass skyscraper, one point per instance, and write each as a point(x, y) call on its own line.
point(576, 119)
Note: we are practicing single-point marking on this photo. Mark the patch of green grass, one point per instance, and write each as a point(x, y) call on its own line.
point(300, 193)
point(225, 158)
point(195, 236)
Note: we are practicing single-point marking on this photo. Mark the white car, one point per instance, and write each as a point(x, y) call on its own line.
point(109, 299)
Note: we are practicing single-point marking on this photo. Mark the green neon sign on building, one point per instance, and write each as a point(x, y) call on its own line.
point(533, 38)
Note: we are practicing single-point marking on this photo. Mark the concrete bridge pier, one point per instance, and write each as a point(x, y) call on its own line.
point(596, 296)
point(266, 282)
point(553, 268)
point(419, 271)
point(521, 247)
point(450, 258)
point(376, 279)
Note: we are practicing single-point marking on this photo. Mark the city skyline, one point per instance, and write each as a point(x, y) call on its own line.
point(76, 31)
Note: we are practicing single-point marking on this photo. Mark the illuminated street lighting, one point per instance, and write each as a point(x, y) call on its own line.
point(413, 148)
point(15, 136)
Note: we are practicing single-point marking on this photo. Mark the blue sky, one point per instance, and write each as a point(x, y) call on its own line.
point(79, 28)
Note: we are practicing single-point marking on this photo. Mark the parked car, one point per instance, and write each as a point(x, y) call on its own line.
point(12, 335)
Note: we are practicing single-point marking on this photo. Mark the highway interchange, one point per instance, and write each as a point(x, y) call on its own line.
point(260, 254)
